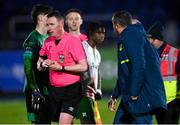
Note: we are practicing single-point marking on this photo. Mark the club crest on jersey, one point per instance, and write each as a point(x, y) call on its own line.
point(61, 58)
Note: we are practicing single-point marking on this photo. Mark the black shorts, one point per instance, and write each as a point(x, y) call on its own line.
point(64, 99)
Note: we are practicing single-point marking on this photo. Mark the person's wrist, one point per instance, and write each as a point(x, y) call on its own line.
point(113, 98)
point(41, 65)
point(63, 68)
point(35, 89)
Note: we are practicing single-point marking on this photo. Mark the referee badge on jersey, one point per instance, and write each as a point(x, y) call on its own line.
point(61, 58)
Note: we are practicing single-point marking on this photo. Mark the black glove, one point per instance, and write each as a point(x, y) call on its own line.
point(98, 95)
point(37, 100)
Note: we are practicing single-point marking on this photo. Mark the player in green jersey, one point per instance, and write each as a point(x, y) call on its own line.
point(36, 84)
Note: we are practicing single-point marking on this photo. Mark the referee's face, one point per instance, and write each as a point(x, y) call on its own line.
point(55, 26)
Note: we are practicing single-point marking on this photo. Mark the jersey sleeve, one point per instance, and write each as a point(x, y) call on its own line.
point(28, 59)
point(99, 81)
point(99, 74)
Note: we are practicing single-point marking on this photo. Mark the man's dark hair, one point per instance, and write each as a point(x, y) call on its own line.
point(122, 18)
point(74, 10)
point(39, 9)
point(93, 27)
point(58, 15)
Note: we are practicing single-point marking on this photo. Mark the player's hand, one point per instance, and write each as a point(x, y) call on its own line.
point(90, 92)
point(55, 66)
point(134, 98)
point(111, 104)
point(37, 100)
point(47, 63)
point(44, 64)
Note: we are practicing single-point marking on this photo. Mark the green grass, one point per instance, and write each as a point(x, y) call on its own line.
point(108, 54)
point(14, 112)
point(106, 115)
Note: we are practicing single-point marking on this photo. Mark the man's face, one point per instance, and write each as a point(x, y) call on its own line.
point(73, 21)
point(99, 35)
point(156, 43)
point(115, 27)
point(54, 26)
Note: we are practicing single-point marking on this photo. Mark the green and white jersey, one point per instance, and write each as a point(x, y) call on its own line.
point(91, 77)
point(32, 46)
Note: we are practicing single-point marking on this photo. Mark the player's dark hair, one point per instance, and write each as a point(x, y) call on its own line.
point(93, 27)
point(58, 15)
point(122, 18)
point(39, 9)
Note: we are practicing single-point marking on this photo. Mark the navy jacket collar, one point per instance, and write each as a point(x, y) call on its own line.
point(133, 27)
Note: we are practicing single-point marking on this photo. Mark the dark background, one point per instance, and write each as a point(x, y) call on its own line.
point(15, 21)
point(16, 24)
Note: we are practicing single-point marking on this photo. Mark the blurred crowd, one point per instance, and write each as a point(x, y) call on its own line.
point(146, 11)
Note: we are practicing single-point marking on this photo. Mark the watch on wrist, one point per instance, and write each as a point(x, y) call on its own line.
point(63, 68)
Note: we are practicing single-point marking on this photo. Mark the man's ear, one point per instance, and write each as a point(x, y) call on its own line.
point(40, 17)
point(116, 26)
point(63, 22)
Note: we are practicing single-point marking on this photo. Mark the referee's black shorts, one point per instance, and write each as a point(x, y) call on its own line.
point(64, 99)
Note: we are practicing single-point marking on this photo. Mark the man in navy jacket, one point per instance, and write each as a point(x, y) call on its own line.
point(139, 76)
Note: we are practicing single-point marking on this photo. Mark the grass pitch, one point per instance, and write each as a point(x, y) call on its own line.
point(14, 112)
